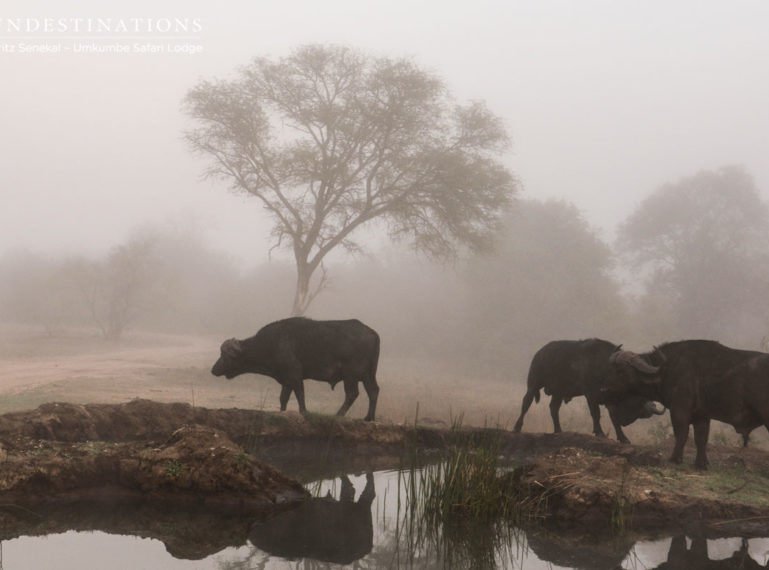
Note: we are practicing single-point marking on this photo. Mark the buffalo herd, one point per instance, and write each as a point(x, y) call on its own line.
point(696, 380)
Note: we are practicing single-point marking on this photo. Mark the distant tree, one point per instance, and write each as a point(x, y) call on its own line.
point(703, 244)
point(329, 140)
point(119, 289)
point(548, 278)
point(34, 289)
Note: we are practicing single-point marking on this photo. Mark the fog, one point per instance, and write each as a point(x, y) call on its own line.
point(605, 102)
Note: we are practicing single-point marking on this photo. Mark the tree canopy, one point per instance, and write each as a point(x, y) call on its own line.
point(703, 243)
point(330, 139)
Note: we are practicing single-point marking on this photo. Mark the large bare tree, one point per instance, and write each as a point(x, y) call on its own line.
point(330, 139)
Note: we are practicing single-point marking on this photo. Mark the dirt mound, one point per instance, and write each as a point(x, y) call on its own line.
point(197, 463)
point(581, 486)
point(174, 451)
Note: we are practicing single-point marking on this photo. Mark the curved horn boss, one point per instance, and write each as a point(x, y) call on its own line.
point(634, 360)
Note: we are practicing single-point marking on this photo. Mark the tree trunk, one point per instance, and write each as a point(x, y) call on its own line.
point(301, 294)
point(304, 293)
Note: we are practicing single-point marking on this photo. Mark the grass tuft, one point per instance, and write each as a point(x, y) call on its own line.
point(468, 503)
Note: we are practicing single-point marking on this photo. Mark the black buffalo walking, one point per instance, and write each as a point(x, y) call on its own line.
point(569, 368)
point(294, 349)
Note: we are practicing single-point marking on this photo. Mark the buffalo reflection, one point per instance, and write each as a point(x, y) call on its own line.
point(337, 531)
point(578, 551)
point(682, 558)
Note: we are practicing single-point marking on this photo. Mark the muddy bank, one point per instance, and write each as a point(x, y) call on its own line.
point(195, 464)
point(143, 420)
point(583, 488)
point(180, 453)
point(62, 452)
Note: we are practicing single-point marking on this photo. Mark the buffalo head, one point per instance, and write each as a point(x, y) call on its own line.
point(229, 363)
point(630, 373)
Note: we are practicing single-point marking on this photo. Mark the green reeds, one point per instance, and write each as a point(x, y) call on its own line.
point(472, 484)
point(467, 505)
point(468, 485)
point(621, 511)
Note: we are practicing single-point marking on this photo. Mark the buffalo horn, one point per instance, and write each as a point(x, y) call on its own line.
point(634, 360)
point(231, 347)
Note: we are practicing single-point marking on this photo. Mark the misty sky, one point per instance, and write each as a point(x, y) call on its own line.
point(605, 101)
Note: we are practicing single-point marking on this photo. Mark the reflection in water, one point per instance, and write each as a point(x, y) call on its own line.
point(339, 531)
point(700, 553)
point(188, 532)
point(578, 551)
point(363, 522)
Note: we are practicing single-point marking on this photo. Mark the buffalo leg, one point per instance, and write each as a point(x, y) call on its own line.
point(368, 494)
point(525, 404)
point(621, 437)
point(678, 553)
point(347, 495)
point(595, 413)
point(698, 554)
point(681, 433)
point(285, 394)
point(299, 391)
point(372, 389)
point(701, 433)
point(350, 395)
point(555, 405)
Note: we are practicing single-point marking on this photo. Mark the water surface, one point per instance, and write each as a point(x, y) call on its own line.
point(356, 521)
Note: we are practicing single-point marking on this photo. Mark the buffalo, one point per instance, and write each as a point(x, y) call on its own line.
point(698, 381)
point(569, 368)
point(294, 349)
